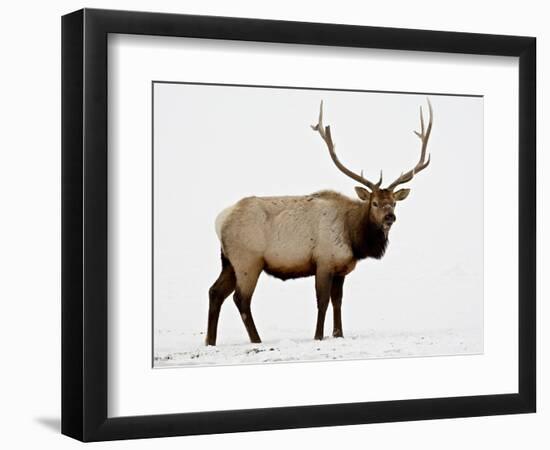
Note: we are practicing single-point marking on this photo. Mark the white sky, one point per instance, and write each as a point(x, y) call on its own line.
point(216, 144)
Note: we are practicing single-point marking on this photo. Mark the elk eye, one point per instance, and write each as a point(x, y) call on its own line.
point(375, 204)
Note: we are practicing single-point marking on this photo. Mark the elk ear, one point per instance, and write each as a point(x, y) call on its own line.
point(362, 193)
point(401, 194)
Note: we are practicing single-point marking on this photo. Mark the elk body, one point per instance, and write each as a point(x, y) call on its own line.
point(323, 235)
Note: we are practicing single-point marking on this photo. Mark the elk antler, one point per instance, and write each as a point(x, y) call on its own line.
point(325, 134)
point(424, 135)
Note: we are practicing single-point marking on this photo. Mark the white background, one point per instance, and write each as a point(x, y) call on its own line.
point(30, 238)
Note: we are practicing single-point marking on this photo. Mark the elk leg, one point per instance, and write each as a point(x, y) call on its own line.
point(243, 304)
point(246, 283)
point(322, 289)
point(220, 290)
point(336, 298)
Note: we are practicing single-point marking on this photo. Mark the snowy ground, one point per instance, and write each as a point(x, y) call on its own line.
point(174, 348)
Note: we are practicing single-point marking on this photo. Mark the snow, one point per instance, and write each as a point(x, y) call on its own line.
point(177, 349)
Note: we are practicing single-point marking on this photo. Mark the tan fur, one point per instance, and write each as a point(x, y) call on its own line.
point(289, 234)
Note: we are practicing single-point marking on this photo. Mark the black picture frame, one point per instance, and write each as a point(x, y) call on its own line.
point(84, 224)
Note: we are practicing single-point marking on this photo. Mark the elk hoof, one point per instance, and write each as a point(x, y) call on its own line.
point(338, 334)
point(318, 338)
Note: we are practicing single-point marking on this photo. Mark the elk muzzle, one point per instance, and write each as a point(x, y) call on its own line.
point(390, 218)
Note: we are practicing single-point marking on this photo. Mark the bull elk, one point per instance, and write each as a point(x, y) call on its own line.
point(322, 234)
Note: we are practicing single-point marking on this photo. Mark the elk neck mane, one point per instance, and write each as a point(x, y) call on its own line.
point(366, 238)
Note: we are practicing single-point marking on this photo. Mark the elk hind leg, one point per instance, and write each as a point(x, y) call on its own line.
point(247, 278)
point(336, 294)
point(219, 291)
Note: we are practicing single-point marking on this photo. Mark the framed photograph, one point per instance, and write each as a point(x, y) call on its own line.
point(273, 224)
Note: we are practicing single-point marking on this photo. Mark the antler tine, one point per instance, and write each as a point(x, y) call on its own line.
point(320, 128)
point(424, 136)
point(421, 120)
point(325, 134)
point(379, 183)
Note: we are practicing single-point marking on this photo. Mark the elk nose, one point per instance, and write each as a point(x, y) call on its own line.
point(390, 218)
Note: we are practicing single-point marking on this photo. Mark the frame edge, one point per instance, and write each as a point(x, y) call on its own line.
point(527, 209)
point(72, 322)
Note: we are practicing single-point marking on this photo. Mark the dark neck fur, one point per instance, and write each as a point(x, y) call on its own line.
point(367, 239)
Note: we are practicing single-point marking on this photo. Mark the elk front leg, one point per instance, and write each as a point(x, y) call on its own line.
point(336, 298)
point(323, 283)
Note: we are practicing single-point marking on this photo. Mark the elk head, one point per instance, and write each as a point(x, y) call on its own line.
point(380, 202)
